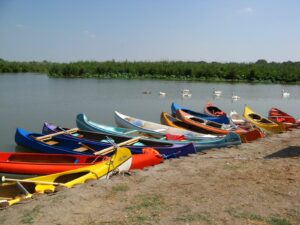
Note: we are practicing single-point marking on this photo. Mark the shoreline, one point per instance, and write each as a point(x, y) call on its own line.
point(236, 185)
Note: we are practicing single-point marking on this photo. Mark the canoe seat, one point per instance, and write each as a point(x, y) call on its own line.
point(160, 130)
point(137, 123)
point(51, 142)
point(80, 149)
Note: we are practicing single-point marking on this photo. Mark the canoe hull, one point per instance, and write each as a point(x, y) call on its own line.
point(281, 117)
point(120, 161)
point(200, 145)
point(262, 122)
point(68, 144)
point(42, 164)
point(220, 119)
point(245, 135)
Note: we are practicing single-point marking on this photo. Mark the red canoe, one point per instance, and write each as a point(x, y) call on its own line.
point(279, 116)
point(213, 110)
point(42, 164)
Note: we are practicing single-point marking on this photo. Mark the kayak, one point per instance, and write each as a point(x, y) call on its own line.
point(161, 134)
point(262, 122)
point(187, 121)
point(12, 192)
point(43, 163)
point(279, 116)
point(200, 145)
point(143, 125)
point(212, 110)
point(75, 145)
point(218, 119)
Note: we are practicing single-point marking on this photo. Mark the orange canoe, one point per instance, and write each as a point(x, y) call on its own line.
point(187, 121)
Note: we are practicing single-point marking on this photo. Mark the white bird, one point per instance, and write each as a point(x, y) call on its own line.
point(235, 97)
point(186, 95)
point(162, 93)
point(285, 94)
point(185, 91)
point(217, 93)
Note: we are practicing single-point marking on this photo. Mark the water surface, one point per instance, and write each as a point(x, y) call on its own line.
point(27, 100)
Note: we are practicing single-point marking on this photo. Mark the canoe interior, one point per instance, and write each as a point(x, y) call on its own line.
point(258, 118)
point(98, 137)
point(184, 125)
point(42, 159)
point(207, 123)
point(11, 190)
point(214, 109)
point(69, 177)
point(54, 159)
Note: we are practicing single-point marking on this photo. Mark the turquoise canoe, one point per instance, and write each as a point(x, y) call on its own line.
point(200, 143)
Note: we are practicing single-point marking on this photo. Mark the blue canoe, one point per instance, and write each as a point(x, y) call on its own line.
point(200, 144)
point(220, 119)
point(63, 144)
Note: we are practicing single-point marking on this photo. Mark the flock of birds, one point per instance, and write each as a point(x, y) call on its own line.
point(216, 93)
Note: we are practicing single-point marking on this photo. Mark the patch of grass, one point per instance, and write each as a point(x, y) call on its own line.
point(274, 220)
point(120, 188)
point(254, 217)
point(141, 180)
point(28, 215)
point(105, 223)
point(145, 202)
point(139, 219)
point(245, 215)
point(278, 221)
point(230, 167)
point(294, 214)
point(145, 209)
point(194, 218)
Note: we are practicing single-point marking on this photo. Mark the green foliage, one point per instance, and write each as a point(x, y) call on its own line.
point(278, 221)
point(260, 71)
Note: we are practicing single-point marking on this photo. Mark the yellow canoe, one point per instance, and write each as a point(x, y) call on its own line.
point(262, 122)
point(10, 193)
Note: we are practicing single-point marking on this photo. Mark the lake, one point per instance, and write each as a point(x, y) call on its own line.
point(27, 100)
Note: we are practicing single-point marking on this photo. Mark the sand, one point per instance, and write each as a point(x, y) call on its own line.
point(250, 184)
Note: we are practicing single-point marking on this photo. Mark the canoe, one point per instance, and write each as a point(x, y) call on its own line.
point(262, 122)
point(190, 122)
point(42, 163)
point(161, 134)
point(218, 119)
point(213, 110)
point(199, 125)
point(11, 193)
point(75, 145)
point(279, 116)
point(147, 126)
point(222, 141)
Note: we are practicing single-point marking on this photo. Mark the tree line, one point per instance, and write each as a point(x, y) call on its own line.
point(260, 71)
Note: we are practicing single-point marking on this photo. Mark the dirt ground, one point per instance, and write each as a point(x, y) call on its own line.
point(251, 184)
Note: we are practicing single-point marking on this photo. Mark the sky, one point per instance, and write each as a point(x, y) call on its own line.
point(150, 30)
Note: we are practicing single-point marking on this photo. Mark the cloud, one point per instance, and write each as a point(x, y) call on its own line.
point(89, 34)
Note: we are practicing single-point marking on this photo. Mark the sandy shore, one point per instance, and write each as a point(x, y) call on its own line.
point(238, 185)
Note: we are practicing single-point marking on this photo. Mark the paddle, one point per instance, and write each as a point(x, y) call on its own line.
point(88, 147)
point(48, 136)
point(112, 148)
point(3, 179)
